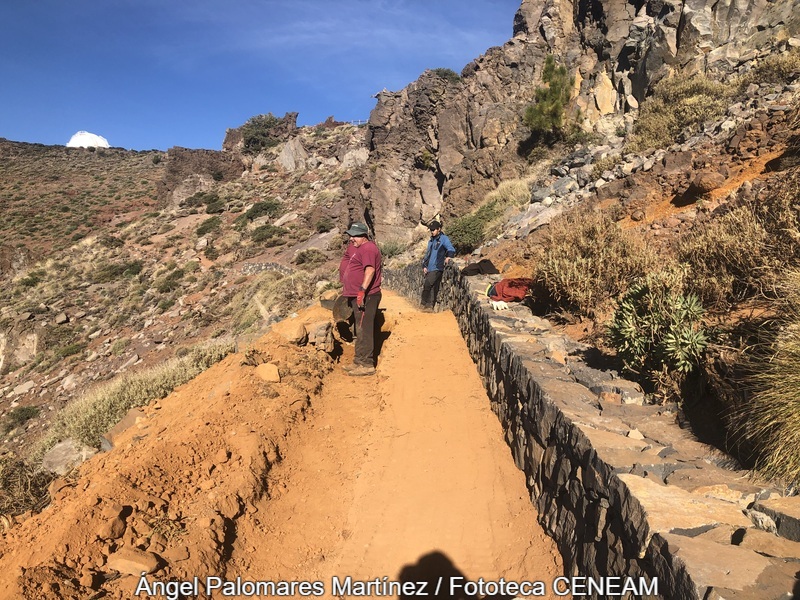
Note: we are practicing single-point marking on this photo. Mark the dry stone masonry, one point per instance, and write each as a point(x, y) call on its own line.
point(621, 488)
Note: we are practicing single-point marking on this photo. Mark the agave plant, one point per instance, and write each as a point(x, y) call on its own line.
point(656, 327)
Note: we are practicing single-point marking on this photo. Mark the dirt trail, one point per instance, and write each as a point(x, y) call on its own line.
point(400, 474)
point(404, 475)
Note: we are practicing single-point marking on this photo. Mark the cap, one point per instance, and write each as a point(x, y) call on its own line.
point(434, 225)
point(357, 230)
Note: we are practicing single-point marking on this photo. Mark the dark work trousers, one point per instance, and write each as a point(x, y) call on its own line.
point(365, 329)
point(430, 288)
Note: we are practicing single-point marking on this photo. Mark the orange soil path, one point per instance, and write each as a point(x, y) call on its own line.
point(405, 473)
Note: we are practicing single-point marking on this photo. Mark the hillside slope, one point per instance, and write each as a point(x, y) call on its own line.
point(116, 260)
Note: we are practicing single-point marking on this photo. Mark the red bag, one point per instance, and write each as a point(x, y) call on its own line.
point(511, 290)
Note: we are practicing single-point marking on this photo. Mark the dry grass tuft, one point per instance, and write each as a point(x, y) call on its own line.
point(745, 252)
point(678, 102)
point(22, 487)
point(99, 409)
point(587, 260)
point(725, 257)
point(775, 68)
point(771, 420)
point(511, 192)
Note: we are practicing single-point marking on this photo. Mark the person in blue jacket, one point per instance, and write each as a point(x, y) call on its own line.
point(438, 253)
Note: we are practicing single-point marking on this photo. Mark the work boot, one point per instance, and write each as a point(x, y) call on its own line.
point(361, 370)
point(350, 367)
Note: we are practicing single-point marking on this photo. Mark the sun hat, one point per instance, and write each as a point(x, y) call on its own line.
point(357, 230)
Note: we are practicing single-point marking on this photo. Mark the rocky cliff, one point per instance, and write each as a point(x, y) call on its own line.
point(441, 142)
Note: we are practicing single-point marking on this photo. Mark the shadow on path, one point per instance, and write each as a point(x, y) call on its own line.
point(435, 574)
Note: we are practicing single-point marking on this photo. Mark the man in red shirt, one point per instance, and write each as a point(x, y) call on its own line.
point(360, 274)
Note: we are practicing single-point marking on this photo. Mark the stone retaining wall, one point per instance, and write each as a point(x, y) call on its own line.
point(619, 486)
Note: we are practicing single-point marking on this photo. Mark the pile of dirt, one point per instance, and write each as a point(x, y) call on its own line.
point(167, 497)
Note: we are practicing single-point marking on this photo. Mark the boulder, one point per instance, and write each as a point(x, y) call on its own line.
point(293, 156)
point(24, 388)
point(268, 372)
point(708, 181)
point(65, 456)
point(292, 330)
point(328, 298)
point(131, 561)
point(605, 96)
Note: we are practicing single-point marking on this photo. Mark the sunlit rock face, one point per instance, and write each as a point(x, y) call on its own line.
point(440, 144)
point(84, 139)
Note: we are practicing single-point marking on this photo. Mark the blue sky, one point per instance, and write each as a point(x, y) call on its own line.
point(160, 73)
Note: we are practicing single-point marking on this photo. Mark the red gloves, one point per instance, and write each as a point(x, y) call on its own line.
point(360, 299)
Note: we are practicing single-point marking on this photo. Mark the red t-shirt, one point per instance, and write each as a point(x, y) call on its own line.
point(351, 269)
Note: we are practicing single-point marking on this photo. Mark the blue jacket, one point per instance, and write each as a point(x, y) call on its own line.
point(439, 247)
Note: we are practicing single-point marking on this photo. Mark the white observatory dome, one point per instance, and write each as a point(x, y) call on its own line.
point(84, 139)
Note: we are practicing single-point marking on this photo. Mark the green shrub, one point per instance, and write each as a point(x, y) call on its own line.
point(447, 74)
point(200, 198)
point(392, 248)
point(657, 329)
point(270, 207)
point(511, 192)
point(70, 350)
point(725, 257)
point(425, 160)
point(99, 409)
point(33, 278)
point(469, 232)
point(257, 133)
point(215, 208)
point(324, 225)
point(746, 252)
point(108, 272)
point(23, 487)
point(110, 241)
point(606, 163)
point(170, 282)
point(211, 200)
point(678, 102)
point(19, 415)
point(209, 225)
point(776, 209)
point(775, 68)
point(269, 235)
point(587, 259)
point(118, 347)
point(545, 117)
point(310, 258)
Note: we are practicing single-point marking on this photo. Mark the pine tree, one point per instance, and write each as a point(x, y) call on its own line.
point(546, 116)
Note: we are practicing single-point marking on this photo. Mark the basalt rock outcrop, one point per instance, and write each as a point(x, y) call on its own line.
point(282, 130)
point(191, 171)
point(440, 143)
